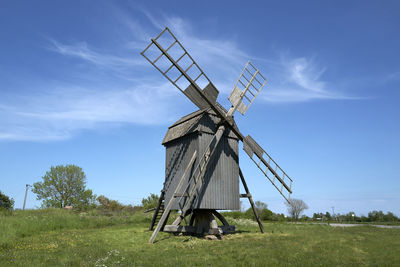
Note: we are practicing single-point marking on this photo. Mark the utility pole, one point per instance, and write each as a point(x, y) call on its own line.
point(26, 193)
point(333, 212)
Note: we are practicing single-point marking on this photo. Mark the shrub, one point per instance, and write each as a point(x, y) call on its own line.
point(264, 214)
point(151, 201)
point(109, 204)
point(6, 202)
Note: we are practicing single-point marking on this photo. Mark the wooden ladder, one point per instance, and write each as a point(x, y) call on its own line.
point(159, 210)
point(164, 217)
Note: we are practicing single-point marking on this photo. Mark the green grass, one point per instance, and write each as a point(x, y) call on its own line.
point(58, 237)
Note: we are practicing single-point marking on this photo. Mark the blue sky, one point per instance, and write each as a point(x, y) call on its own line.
point(74, 89)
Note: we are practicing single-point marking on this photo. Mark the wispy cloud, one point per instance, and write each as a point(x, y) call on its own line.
point(290, 79)
point(221, 58)
point(394, 76)
point(62, 112)
point(299, 80)
point(82, 51)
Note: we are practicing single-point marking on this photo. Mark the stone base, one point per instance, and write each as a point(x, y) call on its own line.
point(202, 222)
point(214, 237)
point(224, 229)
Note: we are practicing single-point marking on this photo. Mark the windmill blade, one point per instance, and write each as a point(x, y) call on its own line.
point(247, 87)
point(269, 167)
point(169, 56)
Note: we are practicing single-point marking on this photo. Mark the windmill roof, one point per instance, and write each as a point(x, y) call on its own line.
point(204, 120)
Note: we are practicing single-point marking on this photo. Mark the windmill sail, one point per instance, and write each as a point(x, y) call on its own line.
point(169, 56)
point(269, 167)
point(247, 87)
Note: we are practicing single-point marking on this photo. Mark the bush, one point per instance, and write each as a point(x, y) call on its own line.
point(151, 201)
point(390, 217)
point(109, 204)
point(264, 214)
point(234, 214)
point(280, 217)
point(6, 202)
point(109, 207)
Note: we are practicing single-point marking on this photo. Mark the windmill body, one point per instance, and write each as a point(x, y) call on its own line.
point(202, 164)
point(221, 180)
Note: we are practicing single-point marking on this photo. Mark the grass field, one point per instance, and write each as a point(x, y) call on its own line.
point(60, 237)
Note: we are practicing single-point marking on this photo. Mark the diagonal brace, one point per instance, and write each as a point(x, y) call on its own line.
point(248, 195)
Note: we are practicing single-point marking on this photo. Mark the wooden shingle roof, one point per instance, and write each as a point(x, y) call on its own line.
point(205, 121)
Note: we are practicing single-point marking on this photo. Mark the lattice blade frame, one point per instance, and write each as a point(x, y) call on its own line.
point(170, 45)
point(247, 87)
point(269, 167)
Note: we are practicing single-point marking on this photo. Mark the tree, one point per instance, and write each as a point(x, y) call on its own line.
point(296, 207)
point(328, 216)
point(64, 186)
point(6, 202)
point(375, 216)
point(263, 211)
point(390, 217)
point(241, 206)
point(260, 206)
point(350, 216)
point(150, 202)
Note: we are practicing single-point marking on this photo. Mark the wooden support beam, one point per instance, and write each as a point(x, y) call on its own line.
point(251, 200)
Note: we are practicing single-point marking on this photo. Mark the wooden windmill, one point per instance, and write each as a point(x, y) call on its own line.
point(202, 160)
